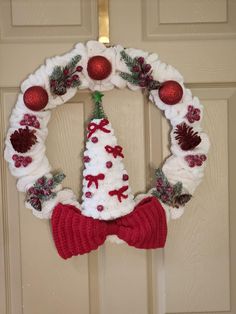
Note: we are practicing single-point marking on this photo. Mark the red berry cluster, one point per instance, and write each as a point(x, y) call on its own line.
point(165, 190)
point(143, 72)
point(195, 160)
point(21, 160)
point(30, 120)
point(67, 79)
point(193, 114)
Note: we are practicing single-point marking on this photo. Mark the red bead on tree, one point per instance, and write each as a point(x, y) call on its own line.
point(36, 98)
point(99, 68)
point(171, 92)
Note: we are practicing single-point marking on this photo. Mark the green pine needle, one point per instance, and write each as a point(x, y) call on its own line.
point(130, 62)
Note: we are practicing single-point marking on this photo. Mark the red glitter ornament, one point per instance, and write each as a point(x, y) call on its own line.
point(99, 68)
point(171, 92)
point(35, 98)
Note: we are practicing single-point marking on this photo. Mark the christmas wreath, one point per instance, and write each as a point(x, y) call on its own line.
point(108, 207)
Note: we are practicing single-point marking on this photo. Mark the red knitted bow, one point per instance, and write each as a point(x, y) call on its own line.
point(144, 228)
point(119, 193)
point(93, 127)
point(116, 150)
point(94, 179)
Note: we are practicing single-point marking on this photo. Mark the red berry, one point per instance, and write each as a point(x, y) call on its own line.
point(31, 190)
point(188, 157)
point(41, 181)
point(75, 77)
point(203, 157)
point(50, 182)
point(36, 124)
point(160, 182)
point(52, 83)
point(28, 159)
point(22, 122)
point(47, 192)
point(94, 139)
point(68, 83)
point(142, 84)
point(86, 159)
point(136, 68)
point(66, 72)
point(25, 163)
point(15, 157)
point(109, 164)
point(198, 162)
point(140, 60)
point(147, 68)
point(191, 163)
point(100, 208)
point(79, 68)
point(88, 194)
point(17, 164)
point(125, 177)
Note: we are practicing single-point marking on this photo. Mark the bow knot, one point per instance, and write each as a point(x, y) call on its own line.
point(145, 228)
point(115, 151)
point(94, 179)
point(120, 193)
point(93, 127)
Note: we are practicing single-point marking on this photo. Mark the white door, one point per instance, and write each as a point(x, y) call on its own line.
point(195, 273)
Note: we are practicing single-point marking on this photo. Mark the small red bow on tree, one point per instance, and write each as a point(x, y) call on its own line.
point(119, 193)
point(115, 151)
point(94, 179)
point(93, 127)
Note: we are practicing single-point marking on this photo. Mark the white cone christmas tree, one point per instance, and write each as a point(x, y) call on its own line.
point(106, 191)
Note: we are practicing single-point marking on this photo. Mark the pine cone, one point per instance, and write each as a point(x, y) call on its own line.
point(23, 139)
point(181, 200)
point(35, 203)
point(186, 137)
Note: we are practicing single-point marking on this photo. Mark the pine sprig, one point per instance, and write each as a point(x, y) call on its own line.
point(65, 77)
point(73, 62)
point(141, 72)
point(130, 62)
point(129, 78)
point(43, 190)
point(168, 193)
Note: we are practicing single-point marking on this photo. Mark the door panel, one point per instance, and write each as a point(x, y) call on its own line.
point(195, 273)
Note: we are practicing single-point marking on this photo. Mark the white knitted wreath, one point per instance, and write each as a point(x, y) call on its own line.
point(176, 168)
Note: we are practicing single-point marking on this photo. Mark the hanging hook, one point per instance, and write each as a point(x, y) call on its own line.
point(103, 21)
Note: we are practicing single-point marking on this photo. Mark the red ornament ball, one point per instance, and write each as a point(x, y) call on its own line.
point(171, 92)
point(99, 68)
point(35, 98)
